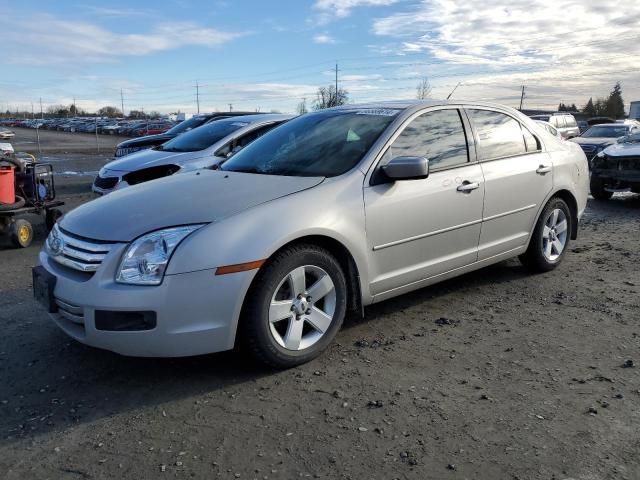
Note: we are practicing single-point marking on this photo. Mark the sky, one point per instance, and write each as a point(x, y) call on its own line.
point(272, 54)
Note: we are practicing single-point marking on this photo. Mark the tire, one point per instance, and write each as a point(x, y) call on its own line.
point(51, 217)
point(596, 185)
point(21, 233)
point(19, 203)
point(294, 339)
point(542, 255)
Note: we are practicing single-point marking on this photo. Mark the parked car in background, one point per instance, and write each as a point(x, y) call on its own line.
point(599, 121)
point(599, 137)
point(143, 143)
point(565, 123)
point(202, 147)
point(550, 128)
point(617, 168)
point(6, 134)
point(583, 126)
point(332, 211)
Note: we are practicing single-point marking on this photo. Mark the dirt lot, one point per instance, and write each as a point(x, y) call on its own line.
point(494, 375)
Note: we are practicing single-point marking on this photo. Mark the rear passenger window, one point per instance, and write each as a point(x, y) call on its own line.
point(438, 136)
point(530, 141)
point(499, 135)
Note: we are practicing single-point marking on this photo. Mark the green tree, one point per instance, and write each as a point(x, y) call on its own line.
point(614, 105)
point(589, 108)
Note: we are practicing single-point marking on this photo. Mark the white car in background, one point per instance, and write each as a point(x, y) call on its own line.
point(203, 147)
point(6, 134)
point(550, 128)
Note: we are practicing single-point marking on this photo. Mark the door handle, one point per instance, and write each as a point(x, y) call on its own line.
point(468, 187)
point(543, 169)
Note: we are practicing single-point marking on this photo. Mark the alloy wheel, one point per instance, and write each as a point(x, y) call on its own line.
point(554, 235)
point(302, 308)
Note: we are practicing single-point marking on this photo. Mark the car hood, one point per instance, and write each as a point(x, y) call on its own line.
point(198, 197)
point(594, 140)
point(623, 150)
point(151, 158)
point(147, 140)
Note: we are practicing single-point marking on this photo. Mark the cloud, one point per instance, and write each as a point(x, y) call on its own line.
point(65, 41)
point(323, 39)
point(332, 9)
point(561, 45)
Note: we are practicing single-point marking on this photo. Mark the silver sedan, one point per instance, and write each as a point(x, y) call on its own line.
point(330, 212)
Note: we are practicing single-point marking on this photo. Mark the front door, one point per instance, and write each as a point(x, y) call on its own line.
point(417, 229)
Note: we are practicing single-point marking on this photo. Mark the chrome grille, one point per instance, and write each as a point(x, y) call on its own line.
point(106, 183)
point(82, 255)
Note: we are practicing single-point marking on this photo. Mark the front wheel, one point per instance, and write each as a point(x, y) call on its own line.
point(295, 307)
point(550, 237)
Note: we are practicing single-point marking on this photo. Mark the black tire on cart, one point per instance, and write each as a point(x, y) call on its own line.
point(19, 203)
point(21, 233)
point(51, 217)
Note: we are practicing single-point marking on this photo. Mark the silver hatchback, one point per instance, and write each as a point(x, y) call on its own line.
point(329, 212)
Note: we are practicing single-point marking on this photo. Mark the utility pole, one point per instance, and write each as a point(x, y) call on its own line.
point(41, 114)
point(32, 114)
point(336, 100)
point(522, 98)
point(198, 96)
point(75, 111)
point(122, 102)
point(231, 107)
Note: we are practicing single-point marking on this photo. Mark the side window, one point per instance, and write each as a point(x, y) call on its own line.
point(499, 135)
point(238, 144)
point(438, 136)
point(531, 142)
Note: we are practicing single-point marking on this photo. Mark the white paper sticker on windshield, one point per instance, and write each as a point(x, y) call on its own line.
point(383, 112)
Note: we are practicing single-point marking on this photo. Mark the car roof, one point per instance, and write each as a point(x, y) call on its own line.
point(258, 118)
point(610, 125)
point(408, 104)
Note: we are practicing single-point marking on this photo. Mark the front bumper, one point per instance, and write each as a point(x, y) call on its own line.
point(196, 312)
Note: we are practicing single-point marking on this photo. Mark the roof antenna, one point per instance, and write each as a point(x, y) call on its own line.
point(456, 87)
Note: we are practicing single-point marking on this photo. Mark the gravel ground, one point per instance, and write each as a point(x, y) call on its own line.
point(494, 375)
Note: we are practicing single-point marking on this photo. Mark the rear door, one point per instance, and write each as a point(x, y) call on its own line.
point(518, 177)
point(417, 229)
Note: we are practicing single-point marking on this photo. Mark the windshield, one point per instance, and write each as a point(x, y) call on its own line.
point(202, 137)
point(321, 144)
point(187, 125)
point(542, 118)
point(606, 131)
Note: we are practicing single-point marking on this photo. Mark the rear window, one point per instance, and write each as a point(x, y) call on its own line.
point(499, 135)
point(571, 122)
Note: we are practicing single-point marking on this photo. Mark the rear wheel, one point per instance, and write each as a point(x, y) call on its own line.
point(21, 233)
point(295, 307)
point(550, 237)
point(598, 192)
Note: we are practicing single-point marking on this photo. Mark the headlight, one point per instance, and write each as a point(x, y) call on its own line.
point(146, 259)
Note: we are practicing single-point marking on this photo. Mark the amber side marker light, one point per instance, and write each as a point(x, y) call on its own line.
point(240, 267)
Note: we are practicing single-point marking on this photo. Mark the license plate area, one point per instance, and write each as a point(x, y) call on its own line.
point(43, 285)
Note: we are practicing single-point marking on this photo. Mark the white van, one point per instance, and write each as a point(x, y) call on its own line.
point(565, 123)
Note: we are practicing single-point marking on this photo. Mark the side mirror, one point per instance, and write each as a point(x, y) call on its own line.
point(407, 168)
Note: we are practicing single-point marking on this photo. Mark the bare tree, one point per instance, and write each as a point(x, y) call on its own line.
point(327, 97)
point(302, 107)
point(423, 90)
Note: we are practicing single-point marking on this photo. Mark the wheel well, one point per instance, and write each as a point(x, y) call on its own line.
point(346, 261)
point(570, 200)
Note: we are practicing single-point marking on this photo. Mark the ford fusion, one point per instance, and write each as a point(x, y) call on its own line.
point(330, 212)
